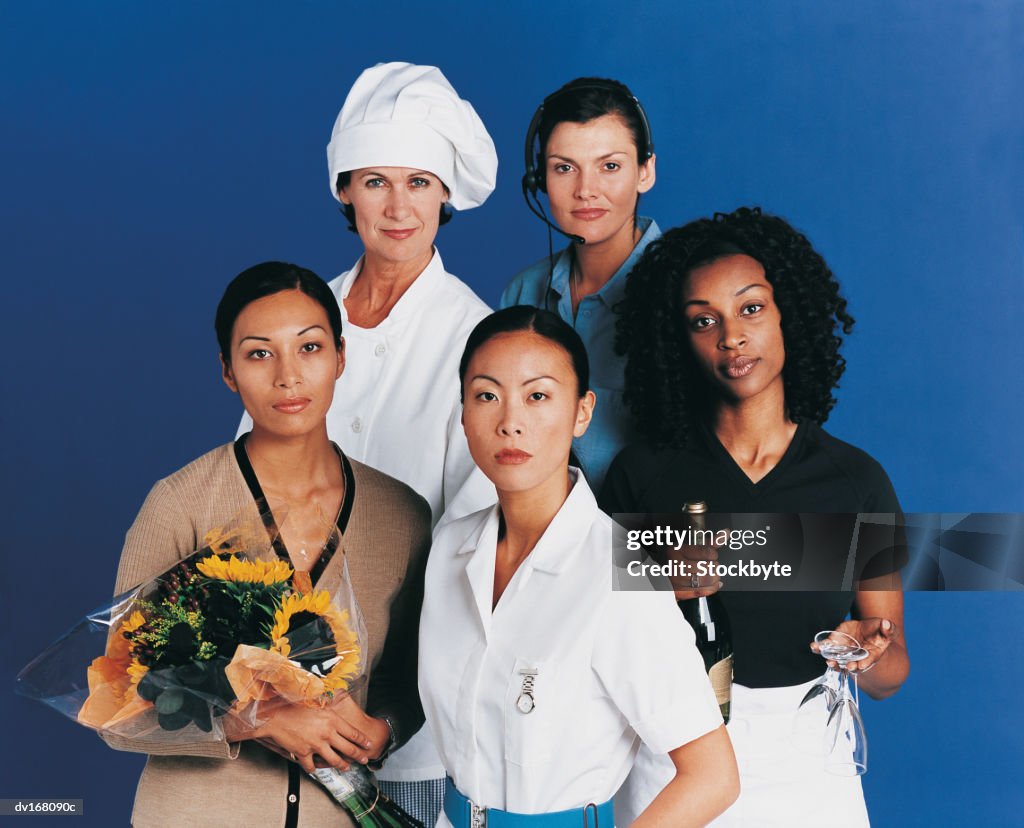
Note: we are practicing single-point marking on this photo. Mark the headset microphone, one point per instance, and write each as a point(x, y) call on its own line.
point(538, 211)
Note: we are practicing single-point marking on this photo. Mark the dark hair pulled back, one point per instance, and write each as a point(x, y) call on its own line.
point(535, 320)
point(267, 279)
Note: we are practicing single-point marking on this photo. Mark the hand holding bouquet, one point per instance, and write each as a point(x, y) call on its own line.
point(221, 648)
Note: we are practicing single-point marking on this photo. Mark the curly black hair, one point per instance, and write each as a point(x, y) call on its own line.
point(664, 387)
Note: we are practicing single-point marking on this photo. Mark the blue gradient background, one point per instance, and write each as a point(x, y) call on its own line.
point(152, 151)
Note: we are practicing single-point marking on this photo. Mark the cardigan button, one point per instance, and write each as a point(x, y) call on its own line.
point(293, 798)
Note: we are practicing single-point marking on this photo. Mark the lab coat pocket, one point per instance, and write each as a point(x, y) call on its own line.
point(532, 712)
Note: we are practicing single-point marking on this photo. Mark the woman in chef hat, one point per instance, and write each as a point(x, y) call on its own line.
point(405, 150)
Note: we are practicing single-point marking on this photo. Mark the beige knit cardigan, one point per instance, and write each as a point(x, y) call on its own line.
point(385, 545)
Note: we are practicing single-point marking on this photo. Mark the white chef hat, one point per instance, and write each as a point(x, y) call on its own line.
point(403, 115)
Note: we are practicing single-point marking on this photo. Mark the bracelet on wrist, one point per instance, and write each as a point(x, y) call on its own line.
point(389, 745)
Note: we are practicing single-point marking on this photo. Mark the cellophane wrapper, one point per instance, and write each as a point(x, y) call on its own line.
point(191, 657)
point(205, 651)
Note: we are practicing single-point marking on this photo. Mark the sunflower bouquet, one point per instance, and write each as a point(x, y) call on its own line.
point(211, 647)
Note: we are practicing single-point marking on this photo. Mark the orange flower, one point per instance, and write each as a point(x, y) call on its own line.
point(112, 677)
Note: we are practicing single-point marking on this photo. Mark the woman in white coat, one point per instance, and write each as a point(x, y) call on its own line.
point(404, 148)
point(538, 680)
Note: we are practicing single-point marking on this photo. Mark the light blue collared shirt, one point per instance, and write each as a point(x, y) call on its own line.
point(612, 428)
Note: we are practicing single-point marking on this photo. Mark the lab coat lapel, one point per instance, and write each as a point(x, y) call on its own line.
point(481, 547)
point(564, 537)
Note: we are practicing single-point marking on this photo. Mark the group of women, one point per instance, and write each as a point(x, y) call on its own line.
point(390, 413)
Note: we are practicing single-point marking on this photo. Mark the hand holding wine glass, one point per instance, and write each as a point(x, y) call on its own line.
point(874, 634)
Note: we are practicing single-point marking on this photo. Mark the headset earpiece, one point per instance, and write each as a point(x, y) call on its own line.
point(532, 181)
point(540, 174)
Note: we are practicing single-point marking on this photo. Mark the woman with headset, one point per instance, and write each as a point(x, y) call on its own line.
point(589, 149)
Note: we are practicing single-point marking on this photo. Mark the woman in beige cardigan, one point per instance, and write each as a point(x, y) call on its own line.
point(279, 331)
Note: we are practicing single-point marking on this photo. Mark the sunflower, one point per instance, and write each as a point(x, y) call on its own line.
point(236, 569)
point(134, 669)
point(135, 620)
point(345, 658)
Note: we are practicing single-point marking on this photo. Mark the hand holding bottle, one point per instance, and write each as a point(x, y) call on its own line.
point(706, 614)
point(694, 585)
point(693, 582)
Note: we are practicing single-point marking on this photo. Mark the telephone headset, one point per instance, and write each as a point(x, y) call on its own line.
point(534, 177)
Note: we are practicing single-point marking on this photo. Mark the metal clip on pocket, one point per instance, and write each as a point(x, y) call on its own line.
point(525, 703)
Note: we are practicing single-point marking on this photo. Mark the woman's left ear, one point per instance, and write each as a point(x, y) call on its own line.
point(648, 174)
point(584, 414)
point(341, 358)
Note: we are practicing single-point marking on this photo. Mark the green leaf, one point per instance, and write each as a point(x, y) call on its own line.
point(170, 701)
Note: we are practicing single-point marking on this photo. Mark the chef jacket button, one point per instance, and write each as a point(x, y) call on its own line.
point(357, 425)
point(380, 350)
point(293, 798)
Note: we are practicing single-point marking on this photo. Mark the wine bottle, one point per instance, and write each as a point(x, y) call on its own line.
point(710, 624)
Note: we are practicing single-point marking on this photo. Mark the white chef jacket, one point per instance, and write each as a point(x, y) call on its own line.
point(611, 668)
point(397, 408)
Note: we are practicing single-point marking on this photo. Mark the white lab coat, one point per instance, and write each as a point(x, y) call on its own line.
point(397, 408)
point(611, 667)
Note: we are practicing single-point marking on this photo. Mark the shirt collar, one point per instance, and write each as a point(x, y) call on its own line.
point(412, 300)
point(615, 287)
point(560, 541)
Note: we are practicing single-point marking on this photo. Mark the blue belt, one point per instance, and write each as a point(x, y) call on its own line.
point(464, 813)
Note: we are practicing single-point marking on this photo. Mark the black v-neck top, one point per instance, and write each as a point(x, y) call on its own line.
point(817, 474)
point(332, 542)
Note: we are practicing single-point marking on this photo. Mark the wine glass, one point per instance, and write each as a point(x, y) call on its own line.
point(846, 744)
point(810, 722)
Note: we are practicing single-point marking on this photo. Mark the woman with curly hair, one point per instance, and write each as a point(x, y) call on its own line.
point(731, 330)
